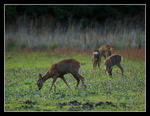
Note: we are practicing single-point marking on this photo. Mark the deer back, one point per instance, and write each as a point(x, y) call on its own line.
point(113, 60)
point(105, 47)
point(65, 66)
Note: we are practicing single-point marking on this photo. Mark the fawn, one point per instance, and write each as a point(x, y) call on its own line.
point(59, 69)
point(112, 60)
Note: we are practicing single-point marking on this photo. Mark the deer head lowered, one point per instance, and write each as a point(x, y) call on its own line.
point(59, 69)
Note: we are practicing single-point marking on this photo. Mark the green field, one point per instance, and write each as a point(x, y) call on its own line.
point(103, 93)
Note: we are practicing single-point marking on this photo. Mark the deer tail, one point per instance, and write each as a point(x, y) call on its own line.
point(111, 49)
point(121, 58)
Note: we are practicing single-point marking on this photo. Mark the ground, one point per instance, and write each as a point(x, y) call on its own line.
point(103, 93)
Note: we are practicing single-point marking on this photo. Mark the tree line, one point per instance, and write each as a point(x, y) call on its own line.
point(63, 13)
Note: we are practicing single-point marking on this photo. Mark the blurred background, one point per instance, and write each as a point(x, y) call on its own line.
point(84, 27)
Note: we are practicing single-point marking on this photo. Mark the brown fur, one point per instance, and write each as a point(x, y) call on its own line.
point(112, 60)
point(105, 50)
point(59, 69)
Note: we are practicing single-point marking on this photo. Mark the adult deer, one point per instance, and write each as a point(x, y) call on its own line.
point(105, 51)
point(59, 69)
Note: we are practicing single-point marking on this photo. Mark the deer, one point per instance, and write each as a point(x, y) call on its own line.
point(58, 70)
point(112, 60)
point(105, 51)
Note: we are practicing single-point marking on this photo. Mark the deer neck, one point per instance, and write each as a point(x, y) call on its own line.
point(45, 77)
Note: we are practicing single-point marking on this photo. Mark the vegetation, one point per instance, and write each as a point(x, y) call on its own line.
point(118, 35)
point(74, 26)
point(103, 93)
point(63, 13)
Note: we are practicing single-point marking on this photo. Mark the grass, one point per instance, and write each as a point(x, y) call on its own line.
point(103, 93)
point(117, 33)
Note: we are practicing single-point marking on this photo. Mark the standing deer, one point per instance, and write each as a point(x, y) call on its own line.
point(59, 69)
point(111, 61)
point(105, 51)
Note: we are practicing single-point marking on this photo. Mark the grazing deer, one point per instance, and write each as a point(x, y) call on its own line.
point(59, 69)
point(111, 61)
point(96, 59)
point(105, 51)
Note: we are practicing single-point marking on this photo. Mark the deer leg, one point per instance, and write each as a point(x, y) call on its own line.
point(82, 80)
point(105, 72)
point(63, 78)
point(105, 67)
point(77, 75)
point(119, 65)
point(94, 65)
point(110, 71)
point(78, 81)
point(54, 80)
point(99, 65)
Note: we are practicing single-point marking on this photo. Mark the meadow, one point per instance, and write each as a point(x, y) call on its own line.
point(103, 93)
point(120, 34)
